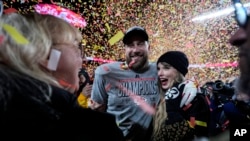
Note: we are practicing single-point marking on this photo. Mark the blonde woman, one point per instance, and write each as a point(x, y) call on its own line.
point(171, 121)
point(65, 50)
point(33, 104)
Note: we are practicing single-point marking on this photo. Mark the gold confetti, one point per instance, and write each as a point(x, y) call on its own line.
point(169, 27)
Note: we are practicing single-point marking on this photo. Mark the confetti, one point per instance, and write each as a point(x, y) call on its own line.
point(14, 34)
point(118, 36)
point(170, 27)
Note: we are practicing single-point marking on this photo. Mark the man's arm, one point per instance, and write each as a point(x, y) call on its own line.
point(99, 96)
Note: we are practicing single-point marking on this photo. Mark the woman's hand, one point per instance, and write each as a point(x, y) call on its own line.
point(189, 92)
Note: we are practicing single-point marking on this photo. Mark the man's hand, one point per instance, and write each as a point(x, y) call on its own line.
point(86, 91)
point(189, 92)
point(96, 106)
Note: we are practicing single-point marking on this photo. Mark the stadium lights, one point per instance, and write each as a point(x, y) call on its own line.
point(215, 14)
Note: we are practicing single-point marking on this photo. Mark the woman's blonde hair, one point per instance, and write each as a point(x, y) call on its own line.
point(60, 31)
point(161, 112)
point(25, 58)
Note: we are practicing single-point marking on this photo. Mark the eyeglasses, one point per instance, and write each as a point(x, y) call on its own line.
point(79, 47)
point(241, 16)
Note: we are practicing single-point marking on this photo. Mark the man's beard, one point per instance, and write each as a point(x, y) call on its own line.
point(139, 65)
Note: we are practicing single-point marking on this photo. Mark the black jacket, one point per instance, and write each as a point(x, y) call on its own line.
point(25, 114)
point(198, 111)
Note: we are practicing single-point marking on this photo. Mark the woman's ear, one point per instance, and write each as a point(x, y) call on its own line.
point(44, 64)
point(52, 62)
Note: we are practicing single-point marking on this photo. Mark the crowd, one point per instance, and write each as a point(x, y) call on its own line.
point(46, 94)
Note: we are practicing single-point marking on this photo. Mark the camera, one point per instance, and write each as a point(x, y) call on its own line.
point(221, 92)
point(219, 87)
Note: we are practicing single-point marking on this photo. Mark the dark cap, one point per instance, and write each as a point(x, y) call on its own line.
point(177, 59)
point(135, 31)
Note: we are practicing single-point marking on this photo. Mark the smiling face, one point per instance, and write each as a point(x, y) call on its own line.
point(167, 75)
point(136, 51)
